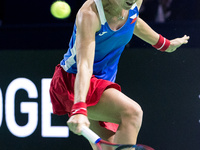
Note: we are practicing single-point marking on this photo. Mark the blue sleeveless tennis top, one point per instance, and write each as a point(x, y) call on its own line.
point(109, 46)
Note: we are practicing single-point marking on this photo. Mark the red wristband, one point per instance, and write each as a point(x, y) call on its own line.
point(79, 108)
point(162, 44)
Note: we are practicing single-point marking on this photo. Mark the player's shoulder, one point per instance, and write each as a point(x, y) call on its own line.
point(88, 11)
point(88, 16)
point(139, 3)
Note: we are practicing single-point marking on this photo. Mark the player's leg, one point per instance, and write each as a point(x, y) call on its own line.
point(105, 134)
point(116, 107)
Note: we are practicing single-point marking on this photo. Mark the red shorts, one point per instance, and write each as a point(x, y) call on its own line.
point(62, 93)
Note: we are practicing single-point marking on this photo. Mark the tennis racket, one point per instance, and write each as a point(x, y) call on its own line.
point(95, 139)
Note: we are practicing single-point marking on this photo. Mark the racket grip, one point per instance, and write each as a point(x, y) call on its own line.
point(90, 135)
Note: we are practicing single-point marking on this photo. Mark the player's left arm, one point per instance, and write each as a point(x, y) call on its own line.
point(146, 33)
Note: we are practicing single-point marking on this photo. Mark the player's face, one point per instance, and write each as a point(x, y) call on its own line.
point(125, 4)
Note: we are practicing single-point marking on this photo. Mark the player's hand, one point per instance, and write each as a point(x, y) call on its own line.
point(76, 122)
point(176, 43)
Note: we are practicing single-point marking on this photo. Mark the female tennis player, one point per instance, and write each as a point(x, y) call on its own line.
point(83, 84)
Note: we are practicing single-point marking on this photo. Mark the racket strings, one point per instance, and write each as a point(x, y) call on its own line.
point(115, 146)
point(125, 147)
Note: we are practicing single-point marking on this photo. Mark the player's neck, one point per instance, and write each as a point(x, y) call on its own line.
point(113, 11)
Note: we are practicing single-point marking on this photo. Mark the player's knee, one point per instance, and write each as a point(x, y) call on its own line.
point(136, 118)
point(133, 115)
point(136, 114)
point(134, 111)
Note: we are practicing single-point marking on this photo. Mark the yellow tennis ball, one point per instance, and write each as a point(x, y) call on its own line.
point(60, 9)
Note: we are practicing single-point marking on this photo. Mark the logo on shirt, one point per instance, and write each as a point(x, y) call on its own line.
point(134, 17)
point(101, 34)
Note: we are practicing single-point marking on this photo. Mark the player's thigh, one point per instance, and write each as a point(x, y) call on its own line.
point(112, 105)
point(102, 132)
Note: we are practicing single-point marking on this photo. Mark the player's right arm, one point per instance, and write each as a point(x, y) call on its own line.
point(87, 23)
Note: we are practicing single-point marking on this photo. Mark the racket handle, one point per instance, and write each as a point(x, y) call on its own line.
point(90, 135)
